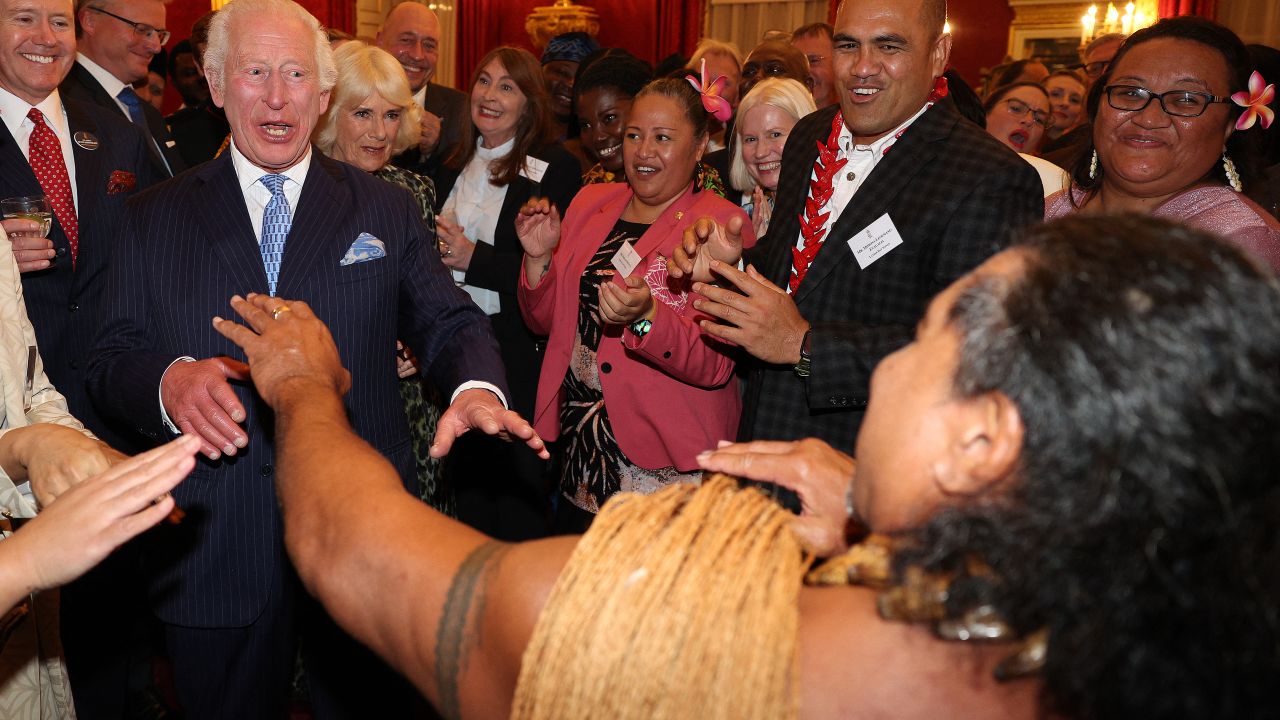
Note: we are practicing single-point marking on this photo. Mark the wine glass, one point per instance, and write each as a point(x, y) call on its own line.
point(31, 207)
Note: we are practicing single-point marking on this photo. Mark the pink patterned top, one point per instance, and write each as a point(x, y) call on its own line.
point(1215, 209)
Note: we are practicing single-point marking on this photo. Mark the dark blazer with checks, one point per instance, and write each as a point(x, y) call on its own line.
point(65, 303)
point(954, 193)
point(186, 247)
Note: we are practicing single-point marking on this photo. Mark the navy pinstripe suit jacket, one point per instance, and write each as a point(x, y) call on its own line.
point(954, 193)
point(65, 304)
point(187, 246)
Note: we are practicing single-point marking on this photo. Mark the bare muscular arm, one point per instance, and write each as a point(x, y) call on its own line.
point(447, 606)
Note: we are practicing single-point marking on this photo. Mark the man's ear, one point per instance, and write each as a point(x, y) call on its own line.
point(986, 446)
point(941, 54)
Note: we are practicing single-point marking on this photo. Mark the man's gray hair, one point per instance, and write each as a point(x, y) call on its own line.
point(215, 56)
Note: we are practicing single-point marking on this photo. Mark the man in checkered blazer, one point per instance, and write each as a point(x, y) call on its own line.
point(917, 196)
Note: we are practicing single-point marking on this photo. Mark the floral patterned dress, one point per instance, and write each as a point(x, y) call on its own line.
point(593, 467)
point(423, 402)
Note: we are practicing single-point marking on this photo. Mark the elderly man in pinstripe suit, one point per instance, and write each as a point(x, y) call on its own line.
point(884, 200)
point(272, 216)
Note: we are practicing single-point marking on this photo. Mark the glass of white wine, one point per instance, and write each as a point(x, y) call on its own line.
point(32, 207)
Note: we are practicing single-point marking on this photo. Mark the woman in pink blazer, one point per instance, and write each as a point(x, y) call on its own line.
point(630, 385)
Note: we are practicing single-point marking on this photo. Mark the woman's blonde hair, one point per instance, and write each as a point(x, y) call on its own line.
point(362, 71)
point(711, 46)
point(785, 94)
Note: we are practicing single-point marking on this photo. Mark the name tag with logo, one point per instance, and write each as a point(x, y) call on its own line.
point(874, 241)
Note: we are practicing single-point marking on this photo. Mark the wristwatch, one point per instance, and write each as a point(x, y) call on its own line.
point(806, 360)
point(641, 327)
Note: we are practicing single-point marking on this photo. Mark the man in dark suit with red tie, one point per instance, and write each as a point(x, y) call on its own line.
point(86, 161)
point(117, 39)
point(884, 199)
point(273, 216)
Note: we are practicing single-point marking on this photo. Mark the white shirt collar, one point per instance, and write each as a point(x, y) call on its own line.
point(501, 151)
point(420, 97)
point(247, 173)
point(877, 147)
point(109, 82)
point(13, 110)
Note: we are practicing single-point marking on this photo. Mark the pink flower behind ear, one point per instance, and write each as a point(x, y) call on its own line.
point(1255, 103)
point(712, 99)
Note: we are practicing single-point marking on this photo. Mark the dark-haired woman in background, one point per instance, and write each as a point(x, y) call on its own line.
point(606, 88)
point(630, 386)
point(1066, 94)
point(506, 156)
point(603, 92)
point(1169, 141)
point(1019, 115)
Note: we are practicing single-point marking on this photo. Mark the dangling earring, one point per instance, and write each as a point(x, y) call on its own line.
point(1093, 166)
point(1233, 177)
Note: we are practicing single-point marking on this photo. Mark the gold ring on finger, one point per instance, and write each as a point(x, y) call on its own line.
point(276, 313)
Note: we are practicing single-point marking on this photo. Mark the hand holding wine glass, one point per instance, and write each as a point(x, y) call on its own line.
point(27, 221)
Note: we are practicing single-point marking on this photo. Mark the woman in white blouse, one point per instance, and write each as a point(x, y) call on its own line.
point(506, 156)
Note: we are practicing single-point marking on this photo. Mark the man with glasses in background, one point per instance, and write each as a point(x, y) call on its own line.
point(116, 41)
point(814, 40)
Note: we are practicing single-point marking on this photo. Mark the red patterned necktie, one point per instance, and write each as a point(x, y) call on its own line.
point(51, 171)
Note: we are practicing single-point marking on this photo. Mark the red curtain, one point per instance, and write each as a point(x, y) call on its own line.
point(650, 29)
point(679, 27)
point(474, 37)
point(1203, 8)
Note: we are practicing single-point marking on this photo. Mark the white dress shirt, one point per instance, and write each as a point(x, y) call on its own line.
point(256, 195)
point(862, 160)
point(474, 204)
point(109, 82)
point(13, 110)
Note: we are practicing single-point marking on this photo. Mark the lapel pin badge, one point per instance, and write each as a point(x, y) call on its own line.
point(86, 140)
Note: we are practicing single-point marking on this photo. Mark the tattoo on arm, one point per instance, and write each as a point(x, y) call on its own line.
point(545, 269)
point(466, 598)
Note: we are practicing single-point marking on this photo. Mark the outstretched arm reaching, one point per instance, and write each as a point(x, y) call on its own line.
point(447, 606)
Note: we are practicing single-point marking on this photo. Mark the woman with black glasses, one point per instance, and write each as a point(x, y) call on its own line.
point(1176, 118)
point(1019, 115)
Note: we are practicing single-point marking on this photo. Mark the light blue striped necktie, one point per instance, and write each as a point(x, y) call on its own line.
point(275, 228)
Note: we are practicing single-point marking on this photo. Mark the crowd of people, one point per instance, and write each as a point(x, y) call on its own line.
point(340, 391)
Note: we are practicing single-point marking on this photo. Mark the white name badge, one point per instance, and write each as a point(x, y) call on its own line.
point(874, 241)
point(626, 259)
point(534, 168)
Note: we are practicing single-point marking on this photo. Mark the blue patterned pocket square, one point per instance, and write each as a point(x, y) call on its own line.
point(365, 248)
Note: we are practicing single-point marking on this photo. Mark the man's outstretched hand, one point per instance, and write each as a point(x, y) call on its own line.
point(287, 346)
point(479, 409)
point(291, 351)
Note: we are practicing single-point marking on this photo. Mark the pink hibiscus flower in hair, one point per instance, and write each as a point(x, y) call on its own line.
point(1255, 103)
point(712, 100)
